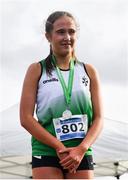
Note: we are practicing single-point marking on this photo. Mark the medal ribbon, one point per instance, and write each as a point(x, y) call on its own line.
point(67, 90)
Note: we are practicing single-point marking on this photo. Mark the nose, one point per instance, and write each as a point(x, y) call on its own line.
point(67, 36)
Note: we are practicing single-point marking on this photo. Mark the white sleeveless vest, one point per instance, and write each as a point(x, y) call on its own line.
point(50, 96)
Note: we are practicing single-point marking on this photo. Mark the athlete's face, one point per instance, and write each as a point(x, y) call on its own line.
point(63, 36)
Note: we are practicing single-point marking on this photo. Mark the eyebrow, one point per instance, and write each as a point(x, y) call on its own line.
point(63, 29)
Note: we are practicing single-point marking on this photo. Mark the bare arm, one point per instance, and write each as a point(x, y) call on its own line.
point(27, 106)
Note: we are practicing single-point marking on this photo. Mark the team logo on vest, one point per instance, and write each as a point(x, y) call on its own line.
point(85, 80)
point(50, 80)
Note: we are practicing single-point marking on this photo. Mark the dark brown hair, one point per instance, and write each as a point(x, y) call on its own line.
point(48, 29)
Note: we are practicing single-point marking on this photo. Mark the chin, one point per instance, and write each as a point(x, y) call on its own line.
point(65, 52)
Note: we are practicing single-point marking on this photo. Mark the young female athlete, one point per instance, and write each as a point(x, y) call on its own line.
point(67, 96)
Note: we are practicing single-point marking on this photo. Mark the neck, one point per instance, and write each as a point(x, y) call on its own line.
point(63, 62)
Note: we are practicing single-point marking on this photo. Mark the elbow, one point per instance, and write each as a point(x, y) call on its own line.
point(26, 119)
point(101, 122)
point(22, 124)
point(23, 120)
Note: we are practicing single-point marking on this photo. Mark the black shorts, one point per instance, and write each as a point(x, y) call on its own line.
point(52, 161)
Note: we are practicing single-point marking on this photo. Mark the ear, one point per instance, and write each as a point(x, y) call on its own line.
point(48, 37)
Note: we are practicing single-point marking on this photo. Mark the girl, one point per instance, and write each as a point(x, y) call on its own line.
point(67, 96)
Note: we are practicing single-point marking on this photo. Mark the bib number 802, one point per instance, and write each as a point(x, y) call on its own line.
point(72, 128)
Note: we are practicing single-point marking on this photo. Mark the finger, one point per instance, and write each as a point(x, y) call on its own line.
point(68, 160)
point(64, 160)
point(74, 169)
point(72, 166)
point(63, 155)
point(68, 163)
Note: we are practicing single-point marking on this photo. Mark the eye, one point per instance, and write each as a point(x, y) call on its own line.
point(72, 31)
point(60, 31)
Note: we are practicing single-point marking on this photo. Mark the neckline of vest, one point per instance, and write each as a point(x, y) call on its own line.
point(65, 69)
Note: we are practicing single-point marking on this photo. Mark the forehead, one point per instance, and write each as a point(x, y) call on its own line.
point(64, 22)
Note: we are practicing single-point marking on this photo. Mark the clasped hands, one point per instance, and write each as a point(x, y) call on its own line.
point(70, 158)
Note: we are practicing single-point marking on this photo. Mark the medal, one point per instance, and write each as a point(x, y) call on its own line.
point(67, 90)
point(67, 114)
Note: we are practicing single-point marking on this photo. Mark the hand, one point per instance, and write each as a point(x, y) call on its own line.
point(63, 154)
point(72, 159)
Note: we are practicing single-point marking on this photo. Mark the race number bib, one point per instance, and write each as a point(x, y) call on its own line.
point(71, 128)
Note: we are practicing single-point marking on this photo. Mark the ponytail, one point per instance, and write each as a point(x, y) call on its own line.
point(48, 61)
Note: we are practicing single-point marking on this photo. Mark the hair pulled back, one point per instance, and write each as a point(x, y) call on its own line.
point(48, 29)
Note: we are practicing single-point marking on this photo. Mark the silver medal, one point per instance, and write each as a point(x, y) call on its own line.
point(67, 114)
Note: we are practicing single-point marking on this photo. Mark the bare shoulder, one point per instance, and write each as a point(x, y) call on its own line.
point(34, 70)
point(91, 70)
point(31, 80)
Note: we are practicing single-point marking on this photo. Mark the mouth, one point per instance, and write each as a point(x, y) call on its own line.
point(66, 44)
